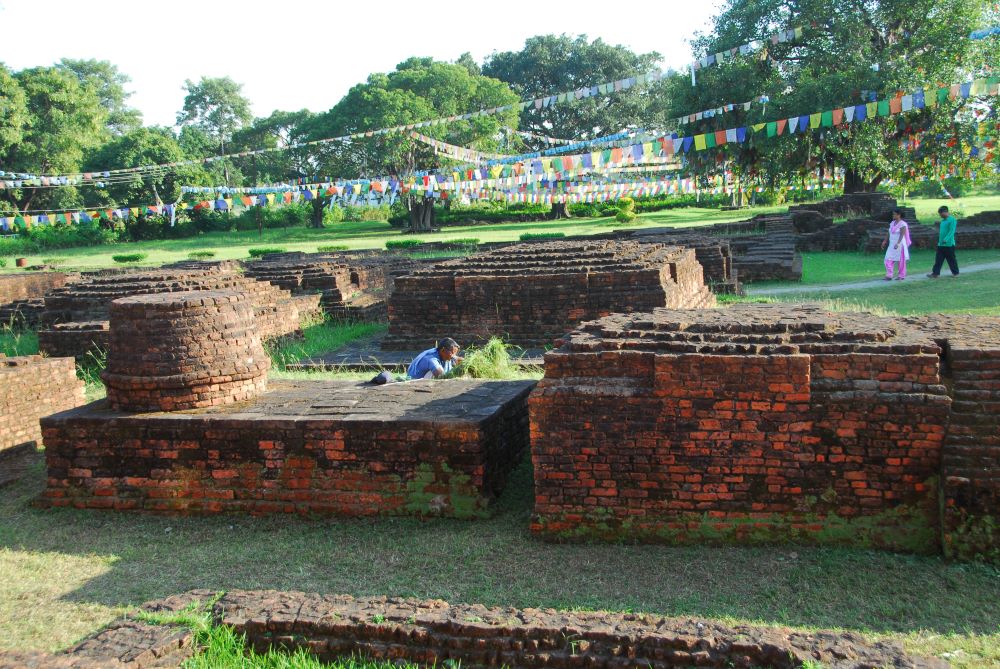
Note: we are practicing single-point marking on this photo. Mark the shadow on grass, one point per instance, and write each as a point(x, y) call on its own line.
point(497, 562)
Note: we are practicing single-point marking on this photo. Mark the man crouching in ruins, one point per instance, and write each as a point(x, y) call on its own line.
point(435, 362)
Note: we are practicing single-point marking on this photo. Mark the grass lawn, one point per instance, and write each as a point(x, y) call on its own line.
point(366, 235)
point(64, 573)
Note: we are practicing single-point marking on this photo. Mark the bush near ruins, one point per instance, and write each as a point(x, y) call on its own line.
point(201, 255)
point(402, 244)
point(332, 248)
point(626, 210)
point(531, 236)
point(265, 250)
point(128, 257)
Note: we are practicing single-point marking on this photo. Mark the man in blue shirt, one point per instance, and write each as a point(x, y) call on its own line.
point(945, 245)
point(435, 362)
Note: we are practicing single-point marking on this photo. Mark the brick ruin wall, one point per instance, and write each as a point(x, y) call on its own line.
point(21, 294)
point(532, 293)
point(352, 286)
point(761, 423)
point(760, 249)
point(305, 447)
point(75, 316)
point(32, 387)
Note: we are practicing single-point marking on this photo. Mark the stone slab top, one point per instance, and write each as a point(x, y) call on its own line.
point(465, 402)
point(757, 329)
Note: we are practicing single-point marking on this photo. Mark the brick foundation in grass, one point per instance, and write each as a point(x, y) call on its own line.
point(435, 633)
point(532, 293)
point(757, 423)
point(423, 448)
point(31, 387)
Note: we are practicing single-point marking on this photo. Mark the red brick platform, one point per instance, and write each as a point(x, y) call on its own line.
point(421, 448)
point(762, 423)
point(532, 293)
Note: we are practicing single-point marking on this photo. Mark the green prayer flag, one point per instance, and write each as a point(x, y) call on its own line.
point(827, 119)
point(710, 140)
point(883, 108)
point(772, 129)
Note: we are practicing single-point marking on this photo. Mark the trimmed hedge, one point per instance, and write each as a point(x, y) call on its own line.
point(265, 250)
point(529, 236)
point(402, 244)
point(128, 257)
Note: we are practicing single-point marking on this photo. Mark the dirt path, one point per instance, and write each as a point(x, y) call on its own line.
point(874, 283)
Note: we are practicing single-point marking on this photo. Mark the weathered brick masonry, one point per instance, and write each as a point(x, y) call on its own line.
point(532, 293)
point(186, 350)
point(32, 387)
point(353, 286)
point(971, 452)
point(88, 303)
point(755, 423)
point(307, 447)
point(21, 294)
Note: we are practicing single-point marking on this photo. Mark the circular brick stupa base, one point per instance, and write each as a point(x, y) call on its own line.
point(174, 351)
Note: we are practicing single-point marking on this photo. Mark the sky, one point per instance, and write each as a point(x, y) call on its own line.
point(308, 54)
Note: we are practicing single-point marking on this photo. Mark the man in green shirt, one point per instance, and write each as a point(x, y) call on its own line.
point(945, 245)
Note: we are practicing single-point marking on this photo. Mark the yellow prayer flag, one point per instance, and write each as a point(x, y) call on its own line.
point(699, 142)
point(814, 120)
point(872, 109)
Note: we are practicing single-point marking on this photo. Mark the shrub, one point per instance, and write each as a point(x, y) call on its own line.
point(128, 257)
point(201, 255)
point(332, 248)
point(367, 213)
point(266, 250)
point(626, 216)
point(464, 241)
point(3, 262)
point(393, 244)
point(529, 236)
point(54, 260)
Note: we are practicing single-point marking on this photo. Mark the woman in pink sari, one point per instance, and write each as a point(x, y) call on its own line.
point(897, 246)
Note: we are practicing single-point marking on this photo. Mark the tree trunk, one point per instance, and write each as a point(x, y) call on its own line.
point(559, 210)
point(854, 183)
point(316, 219)
point(422, 214)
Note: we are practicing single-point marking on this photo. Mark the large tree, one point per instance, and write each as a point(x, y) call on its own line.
point(108, 82)
point(550, 64)
point(217, 108)
point(64, 120)
point(419, 89)
point(846, 49)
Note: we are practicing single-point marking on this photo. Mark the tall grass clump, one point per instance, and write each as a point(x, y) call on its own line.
point(490, 361)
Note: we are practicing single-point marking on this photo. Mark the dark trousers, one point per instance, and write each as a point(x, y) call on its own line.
point(945, 253)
